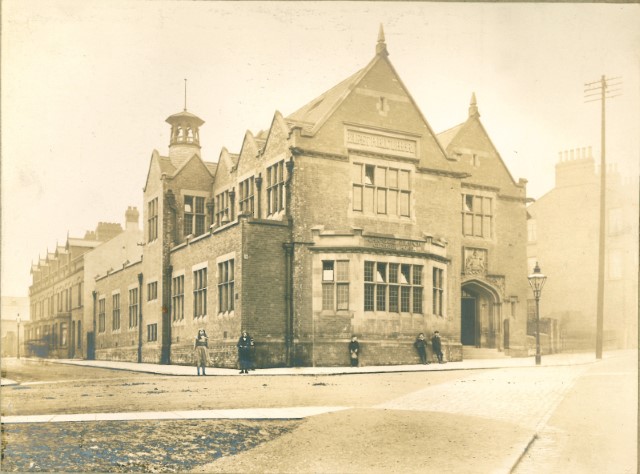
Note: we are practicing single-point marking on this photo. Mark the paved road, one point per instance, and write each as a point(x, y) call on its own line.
point(461, 421)
point(480, 422)
point(594, 428)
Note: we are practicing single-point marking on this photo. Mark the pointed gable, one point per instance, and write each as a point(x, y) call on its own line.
point(248, 153)
point(195, 172)
point(473, 152)
point(372, 106)
point(277, 136)
point(158, 165)
point(226, 166)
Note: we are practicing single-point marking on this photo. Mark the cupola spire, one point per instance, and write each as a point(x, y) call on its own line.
point(381, 46)
point(473, 106)
point(185, 134)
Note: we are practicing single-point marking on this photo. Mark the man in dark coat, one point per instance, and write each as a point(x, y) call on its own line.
point(436, 346)
point(354, 351)
point(421, 347)
point(244, 352)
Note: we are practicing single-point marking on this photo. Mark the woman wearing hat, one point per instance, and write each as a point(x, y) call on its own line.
point(244, 352)
point(201, 344)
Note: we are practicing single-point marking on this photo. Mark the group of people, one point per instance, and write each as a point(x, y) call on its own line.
point(245, 347)
point(436, 347)
point(420, 344)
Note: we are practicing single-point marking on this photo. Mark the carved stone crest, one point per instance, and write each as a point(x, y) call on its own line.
point(475, 261)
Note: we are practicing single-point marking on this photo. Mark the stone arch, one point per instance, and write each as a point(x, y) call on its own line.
point(481, 308)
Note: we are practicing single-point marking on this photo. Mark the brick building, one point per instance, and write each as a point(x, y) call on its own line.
point(349, 216)
point(563, 238)
point(61, 325)
point(56, 295)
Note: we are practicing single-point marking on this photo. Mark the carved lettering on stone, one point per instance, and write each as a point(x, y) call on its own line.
point(381, 142)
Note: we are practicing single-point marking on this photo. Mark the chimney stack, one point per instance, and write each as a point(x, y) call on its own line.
point(131, 218)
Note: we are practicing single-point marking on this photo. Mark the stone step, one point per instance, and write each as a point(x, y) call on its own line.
point(469, 352)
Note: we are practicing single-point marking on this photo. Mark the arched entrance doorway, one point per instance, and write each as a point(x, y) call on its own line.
point(480, 315)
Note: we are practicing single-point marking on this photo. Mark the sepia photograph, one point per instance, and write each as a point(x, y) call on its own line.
point(319, 237)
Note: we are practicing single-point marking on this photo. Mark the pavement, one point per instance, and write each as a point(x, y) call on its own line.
point(469, 364)
point(554, 360)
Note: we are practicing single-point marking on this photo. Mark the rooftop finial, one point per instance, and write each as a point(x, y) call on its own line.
point(473, 106)
point(381, 46)
point(185, 95)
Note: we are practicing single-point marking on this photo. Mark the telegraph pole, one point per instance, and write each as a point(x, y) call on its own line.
point(601, 90)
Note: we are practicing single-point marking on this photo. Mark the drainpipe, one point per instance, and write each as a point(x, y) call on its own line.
point(139, 318)
point(258, 182)
point(289, 264)
point(92, 356)
point(288, 297)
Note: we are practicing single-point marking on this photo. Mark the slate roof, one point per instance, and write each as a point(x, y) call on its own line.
point(447, 136)
point(166, 166)
point(313, 113)
point(212, 167)
point(75, 242)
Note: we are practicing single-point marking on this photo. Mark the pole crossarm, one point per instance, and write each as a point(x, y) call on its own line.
point(600, 91)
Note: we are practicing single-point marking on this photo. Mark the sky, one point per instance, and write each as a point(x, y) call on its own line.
point(86, 87)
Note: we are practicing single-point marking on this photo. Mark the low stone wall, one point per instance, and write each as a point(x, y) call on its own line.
point(335, 353)
point(327, 353)
point(120, 354)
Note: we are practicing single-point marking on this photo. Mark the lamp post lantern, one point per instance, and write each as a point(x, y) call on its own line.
point(18, 331)
point(536, 281)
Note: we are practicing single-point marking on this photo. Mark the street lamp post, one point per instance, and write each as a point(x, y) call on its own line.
point(18, 321)
point(537, 280)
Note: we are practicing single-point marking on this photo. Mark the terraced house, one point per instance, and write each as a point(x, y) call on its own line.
point(348, 216)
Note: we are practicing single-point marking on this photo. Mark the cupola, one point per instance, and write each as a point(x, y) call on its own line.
point(185, 135)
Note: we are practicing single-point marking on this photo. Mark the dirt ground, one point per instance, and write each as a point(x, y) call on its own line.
point(132, 446)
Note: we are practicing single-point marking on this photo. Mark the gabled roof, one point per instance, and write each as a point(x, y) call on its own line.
point(195, 156)
point(75, 242)
point(450, 139)
point(446, 137)
point(212, 167)
point(225, 160)
point(315, 113)
point(166, 166)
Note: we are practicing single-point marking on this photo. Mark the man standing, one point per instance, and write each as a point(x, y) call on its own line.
point(436, 346)
point(421, 347)
point(244, 352)
point(354, 351)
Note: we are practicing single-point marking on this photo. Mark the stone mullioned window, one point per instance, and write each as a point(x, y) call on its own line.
point(477, 216)
point(226, 283)
point(393, 287)
point(381, 190)
point(200, 293)
point(177, 298)
point(194, 215)
point(335, 285)
point(133, 307)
